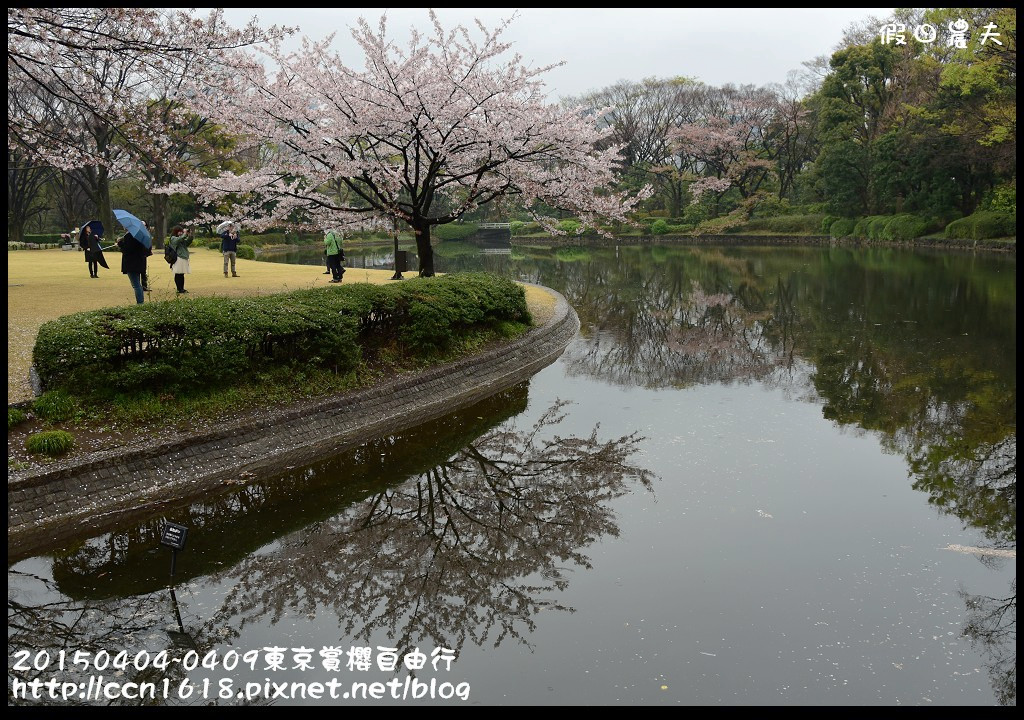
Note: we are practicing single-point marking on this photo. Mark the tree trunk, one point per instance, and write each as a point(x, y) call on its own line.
point(15, 229)
point(423, 249)
point(111, 227)
point(159, 229)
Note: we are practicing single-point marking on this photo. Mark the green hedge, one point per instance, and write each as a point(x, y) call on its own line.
point(453, 231)
point(180, 344)
point(42, 238)
point(246, 252)
point(982, 225)
point(796, 224)
point(905, 227)
point(843, 227)
point(876, 225)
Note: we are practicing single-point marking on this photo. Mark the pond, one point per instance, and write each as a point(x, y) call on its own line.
point(759, 476)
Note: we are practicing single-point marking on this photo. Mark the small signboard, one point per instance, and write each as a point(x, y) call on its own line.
point(173, 536)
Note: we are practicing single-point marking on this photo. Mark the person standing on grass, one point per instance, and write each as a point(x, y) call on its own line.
point(180, 241)
point(133, 263)
point(229, 246)
point(85, 241)
point(335, 255)
point(145, 270)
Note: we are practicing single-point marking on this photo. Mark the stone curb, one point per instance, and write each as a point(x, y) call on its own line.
point(94, 493)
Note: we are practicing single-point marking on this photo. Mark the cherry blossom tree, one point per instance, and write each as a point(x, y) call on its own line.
point(420, 136)
point(728, 145)
point(101, 72)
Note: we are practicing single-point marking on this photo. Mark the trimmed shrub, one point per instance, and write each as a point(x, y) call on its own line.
point(843, 227)
point(44, 238)
point(992, 224)
point(15, 417)
point(982, 225)
point(175, 345)
point(876, 225)
point(517, 227)
point(659, 227)
point(569, 226)
point(795, 224)
point(902, 228)
point(50, 442)
point(213, 245)
point(454, 231)
point(246, 252)
point(55, 406)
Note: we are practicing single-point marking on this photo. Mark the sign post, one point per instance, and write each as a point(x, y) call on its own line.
point(174, 536)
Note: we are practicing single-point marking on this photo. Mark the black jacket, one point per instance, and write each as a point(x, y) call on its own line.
point(133, 255)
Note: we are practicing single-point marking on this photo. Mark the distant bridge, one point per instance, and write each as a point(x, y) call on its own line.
point(493, 234)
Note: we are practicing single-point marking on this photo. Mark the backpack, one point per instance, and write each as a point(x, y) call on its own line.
point(170, 255)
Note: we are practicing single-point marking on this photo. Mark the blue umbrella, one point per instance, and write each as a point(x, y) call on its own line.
point(134, 226)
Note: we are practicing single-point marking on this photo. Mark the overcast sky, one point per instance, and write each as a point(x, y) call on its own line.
point(603, 45)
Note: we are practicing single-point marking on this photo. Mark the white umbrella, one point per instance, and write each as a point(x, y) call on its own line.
point(224, 225)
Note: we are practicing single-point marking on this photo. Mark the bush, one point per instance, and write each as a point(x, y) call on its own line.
point(213, 245)
point(454, 231)
point(569, 226)
point(870, 227)
point(50, 442)
point(876, 225)
point(982, 225)
point(659, 227)
point(843, 227)
point(55, 406)
point(44, 238)
point(175, 345)
point(15, 417)
point(517, 227)
point(902, 228)
point(794, 224)
point(247, 252)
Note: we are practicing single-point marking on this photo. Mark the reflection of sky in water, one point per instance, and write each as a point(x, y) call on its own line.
point(779, 558)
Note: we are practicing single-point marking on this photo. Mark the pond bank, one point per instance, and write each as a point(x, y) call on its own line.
point(810, 240)
point(93, 493)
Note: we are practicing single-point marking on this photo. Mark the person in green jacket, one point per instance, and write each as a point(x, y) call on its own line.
point(180, 240)
point(335, 255)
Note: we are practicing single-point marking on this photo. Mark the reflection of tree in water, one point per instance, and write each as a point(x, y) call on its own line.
point(665, 333)
point(132, 624)
point(226, 527)
point(470, 549)
point(992, 627)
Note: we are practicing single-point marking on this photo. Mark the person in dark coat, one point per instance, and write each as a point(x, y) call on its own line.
point(85, 242)
point(133, 263)
point(229, 246)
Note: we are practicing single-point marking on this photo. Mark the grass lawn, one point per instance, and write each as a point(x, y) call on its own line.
point(45, 284)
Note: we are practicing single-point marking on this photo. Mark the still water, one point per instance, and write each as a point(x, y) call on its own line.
point(759, 476)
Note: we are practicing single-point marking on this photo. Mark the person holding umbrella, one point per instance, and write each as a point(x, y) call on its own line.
point(139, 231)
point(133, 263)
point(89, 240)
